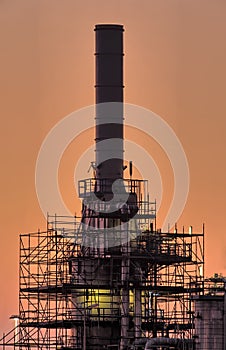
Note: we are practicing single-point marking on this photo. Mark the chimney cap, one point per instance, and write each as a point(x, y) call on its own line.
point(109, 26)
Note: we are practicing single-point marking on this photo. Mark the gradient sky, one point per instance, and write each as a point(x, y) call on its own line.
point(174, 66)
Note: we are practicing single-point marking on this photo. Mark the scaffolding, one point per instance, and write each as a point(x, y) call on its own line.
point(134, 294)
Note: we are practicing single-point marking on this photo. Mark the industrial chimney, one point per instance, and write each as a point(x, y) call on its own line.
point(108, 198)
point(109, 106)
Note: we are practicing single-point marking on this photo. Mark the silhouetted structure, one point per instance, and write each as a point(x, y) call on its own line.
point(110, 279)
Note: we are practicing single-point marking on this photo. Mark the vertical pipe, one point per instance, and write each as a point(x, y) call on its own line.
point(224, 313)
point(137, 311)
point(84, 328)
point(109, 88)
point(125, 266)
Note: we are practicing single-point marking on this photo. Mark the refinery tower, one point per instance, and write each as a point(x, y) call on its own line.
point(109, 279)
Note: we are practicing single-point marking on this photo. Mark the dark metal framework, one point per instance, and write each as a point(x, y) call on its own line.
point(109, 279)
point(78, 297)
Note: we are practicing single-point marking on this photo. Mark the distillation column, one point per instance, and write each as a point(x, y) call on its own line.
point(109, 137)
point(102, 226)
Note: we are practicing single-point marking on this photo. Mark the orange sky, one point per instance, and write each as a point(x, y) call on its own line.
point(174, 65)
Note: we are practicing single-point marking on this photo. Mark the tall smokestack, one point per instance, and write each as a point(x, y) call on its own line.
point(109, 116)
